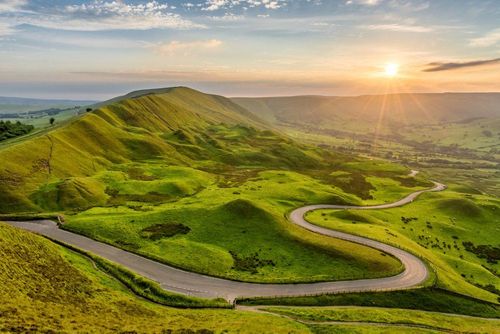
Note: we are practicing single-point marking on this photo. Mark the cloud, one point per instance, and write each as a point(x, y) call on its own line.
point(398, 27)
point(437, 66)
point(186, 48)
point(490, 39)
point(213, 5)
point(363, 2)
point(7, 6)
point(110, 15)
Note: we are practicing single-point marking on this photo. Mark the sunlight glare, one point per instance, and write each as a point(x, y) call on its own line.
point(391, 69)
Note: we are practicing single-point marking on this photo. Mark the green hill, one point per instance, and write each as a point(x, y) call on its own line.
point(178, 125)
point(138, 167)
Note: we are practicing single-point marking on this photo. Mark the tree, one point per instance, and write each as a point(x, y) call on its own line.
point(89, 109)
point(52, 120)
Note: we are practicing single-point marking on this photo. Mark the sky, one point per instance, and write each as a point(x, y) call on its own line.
point(102, 48)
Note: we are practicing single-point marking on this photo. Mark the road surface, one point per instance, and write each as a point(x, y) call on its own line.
point(194, 284)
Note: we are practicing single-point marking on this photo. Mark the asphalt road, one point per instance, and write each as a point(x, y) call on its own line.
point(173, 279)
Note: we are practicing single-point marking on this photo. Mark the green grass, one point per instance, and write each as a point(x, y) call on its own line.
point(148, 289)
point(427, 299)
point(431, 320)
point(47, 288)
point(442, 223)
point(227, 223)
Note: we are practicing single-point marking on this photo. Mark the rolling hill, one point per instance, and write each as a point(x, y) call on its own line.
point(395, 109)
point(178, 125)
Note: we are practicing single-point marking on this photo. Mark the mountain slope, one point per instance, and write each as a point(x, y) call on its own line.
point(178, 125)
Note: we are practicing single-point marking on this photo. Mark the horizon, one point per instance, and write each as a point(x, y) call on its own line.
point(77, 99)
point(74, 49)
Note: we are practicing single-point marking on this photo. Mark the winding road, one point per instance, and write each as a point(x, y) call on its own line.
point(190, 283)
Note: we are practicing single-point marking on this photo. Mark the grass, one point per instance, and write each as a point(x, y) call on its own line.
point(47, 288)
point(431, 320)
point(427, 299)
point(440, 225)
point(225, 232)
point(148, 289)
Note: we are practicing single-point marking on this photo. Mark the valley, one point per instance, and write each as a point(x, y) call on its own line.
point(196, 183)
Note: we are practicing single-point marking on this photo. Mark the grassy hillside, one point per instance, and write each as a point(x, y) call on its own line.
point(46, 288)
point(456, 232)
point(453, 136)
point(177, 127)
point(193, 180)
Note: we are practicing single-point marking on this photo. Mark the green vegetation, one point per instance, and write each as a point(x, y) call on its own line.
point(426, 320)
point(225, 234)
point(455, 232)
point(148, 289)
point(120, 175)
point(159, 231)
point(428, 299)
point(46, 288)
point(10, 130)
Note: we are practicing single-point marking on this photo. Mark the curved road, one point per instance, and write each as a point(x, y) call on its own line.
point(199, 285)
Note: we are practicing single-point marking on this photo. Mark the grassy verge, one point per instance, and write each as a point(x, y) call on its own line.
point(427, 299)
point(147, 288)
point(427, 320)
point(28, 216)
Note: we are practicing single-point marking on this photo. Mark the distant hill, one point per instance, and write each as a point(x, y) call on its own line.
point(12, 105)
point(392, 109)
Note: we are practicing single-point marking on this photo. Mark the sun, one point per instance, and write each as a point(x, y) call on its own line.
point(391, 69)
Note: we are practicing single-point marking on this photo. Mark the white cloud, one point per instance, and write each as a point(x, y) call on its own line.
point(490, 39)
point(363, 2)
point(111, 15)
point(228, 17)
point(213, 5)
point(186, 48)
point(398, 27)
point(12, 5)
